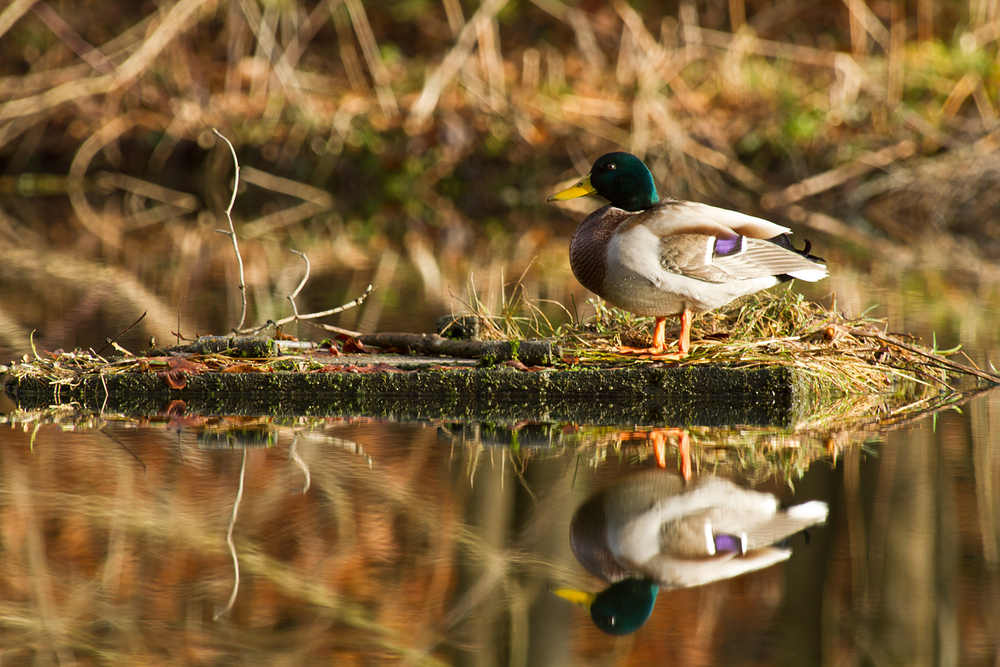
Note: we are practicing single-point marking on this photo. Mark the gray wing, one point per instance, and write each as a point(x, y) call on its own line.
point(699, 256)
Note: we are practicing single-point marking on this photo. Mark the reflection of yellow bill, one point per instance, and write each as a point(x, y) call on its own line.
point(581, 189)
point(581, 598)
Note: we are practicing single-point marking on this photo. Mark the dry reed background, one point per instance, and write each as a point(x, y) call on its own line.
point(411, 144)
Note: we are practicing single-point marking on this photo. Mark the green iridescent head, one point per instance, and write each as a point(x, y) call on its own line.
point(620, 609)
point(621, 178)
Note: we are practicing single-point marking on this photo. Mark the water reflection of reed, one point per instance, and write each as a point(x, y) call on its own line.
point(76, 301)
point(914, 577)
point(121, 556)
point(411, 546)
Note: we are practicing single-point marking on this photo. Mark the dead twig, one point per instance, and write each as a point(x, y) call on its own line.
point(302, 283)
point(312, 316)
point(232, 230)
point(336, 330)
point(338, 309)
point(935, 358)
point(114, 341)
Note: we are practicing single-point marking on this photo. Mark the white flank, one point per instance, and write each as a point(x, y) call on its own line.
point(814, 511)
point(810, 275)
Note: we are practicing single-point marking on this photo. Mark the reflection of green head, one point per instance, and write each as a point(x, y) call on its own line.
point(620, 609)
point(623, 608)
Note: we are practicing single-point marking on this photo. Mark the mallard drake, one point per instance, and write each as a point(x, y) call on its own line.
point(672, 258)
point(655, 530)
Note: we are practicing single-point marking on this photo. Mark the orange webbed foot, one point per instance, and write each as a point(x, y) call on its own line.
point(649, 352)
point(658, 349)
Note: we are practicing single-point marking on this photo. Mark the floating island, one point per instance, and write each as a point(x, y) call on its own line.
point(772, 358)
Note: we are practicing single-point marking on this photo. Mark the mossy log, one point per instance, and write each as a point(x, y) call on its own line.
point(698, 395)
point(489, 352)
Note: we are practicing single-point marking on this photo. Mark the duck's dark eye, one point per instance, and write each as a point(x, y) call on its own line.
point(611, 167)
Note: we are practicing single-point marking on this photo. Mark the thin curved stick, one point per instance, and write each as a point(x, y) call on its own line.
point(312, 316)
point(232, 230)
point(302, 283)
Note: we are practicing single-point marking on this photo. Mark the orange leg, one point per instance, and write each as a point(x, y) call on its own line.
point(684, 342)
point(660, 334)
point(659, 440)
point(660, 339)
point(684, 445)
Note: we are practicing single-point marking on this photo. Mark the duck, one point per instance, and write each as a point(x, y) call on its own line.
point(672, 258)
point(654, 531)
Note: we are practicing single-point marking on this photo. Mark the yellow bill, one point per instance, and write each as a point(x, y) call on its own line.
point(581, 189)
point(581, 598)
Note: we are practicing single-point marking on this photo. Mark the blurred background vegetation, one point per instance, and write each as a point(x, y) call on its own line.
point(411, 144)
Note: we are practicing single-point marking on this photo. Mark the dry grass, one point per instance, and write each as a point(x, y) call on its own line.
point(854, 375)
point(781, 328)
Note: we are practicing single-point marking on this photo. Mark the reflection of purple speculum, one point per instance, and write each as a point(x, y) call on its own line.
point(731, 543)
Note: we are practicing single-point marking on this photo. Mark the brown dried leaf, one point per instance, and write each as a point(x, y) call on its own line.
point(353, 368)
point(179, 368)
point(352, 345)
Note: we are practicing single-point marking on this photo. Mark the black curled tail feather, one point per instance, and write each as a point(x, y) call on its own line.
point(785, 242)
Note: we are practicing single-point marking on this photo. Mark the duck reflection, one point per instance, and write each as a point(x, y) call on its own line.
point(653, 530)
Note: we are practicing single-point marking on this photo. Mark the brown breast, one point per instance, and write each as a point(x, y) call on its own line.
point(589, 246)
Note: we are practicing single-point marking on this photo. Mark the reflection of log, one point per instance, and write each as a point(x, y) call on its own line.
point(528, 352)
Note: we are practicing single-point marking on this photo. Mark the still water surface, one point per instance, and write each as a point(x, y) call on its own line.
point(366, 542)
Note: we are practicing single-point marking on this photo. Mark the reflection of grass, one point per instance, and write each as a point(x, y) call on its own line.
point(753, 453)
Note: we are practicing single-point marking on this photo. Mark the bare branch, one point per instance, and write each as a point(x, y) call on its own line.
point(312, 316)
point(232, 230)
point(339, 309)
point(291, 297)
point(114, 341)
